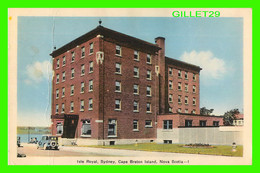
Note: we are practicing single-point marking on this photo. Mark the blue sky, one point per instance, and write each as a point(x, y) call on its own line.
point(216, 44)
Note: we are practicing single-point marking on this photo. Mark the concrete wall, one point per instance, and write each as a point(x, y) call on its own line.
point(205, 135)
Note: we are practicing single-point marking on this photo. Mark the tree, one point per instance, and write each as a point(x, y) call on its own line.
point(230, 116)
point(205, 111)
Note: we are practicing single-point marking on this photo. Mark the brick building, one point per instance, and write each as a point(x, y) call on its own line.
point(111, 88)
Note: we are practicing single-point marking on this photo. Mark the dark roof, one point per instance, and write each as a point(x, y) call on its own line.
point(182, 64)
point(107, 33)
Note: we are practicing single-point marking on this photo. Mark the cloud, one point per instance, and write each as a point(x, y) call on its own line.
point(212, 67)
point(38, 71)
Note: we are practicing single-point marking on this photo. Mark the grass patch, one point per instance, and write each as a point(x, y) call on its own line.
point(221, 150)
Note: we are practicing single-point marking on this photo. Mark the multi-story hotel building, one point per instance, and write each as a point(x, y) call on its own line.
point(111, 88)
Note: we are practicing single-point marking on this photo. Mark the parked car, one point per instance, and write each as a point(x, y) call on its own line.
point(48, 142)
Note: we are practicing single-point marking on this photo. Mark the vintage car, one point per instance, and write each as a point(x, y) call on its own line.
point(48, 142)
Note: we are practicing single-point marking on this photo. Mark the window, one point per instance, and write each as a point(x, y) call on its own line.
point(194, 77)
point(90, 104)
point(90, 85)
point(148, 108)
point(179, 99)
point(186, 100)
point(186, 87)
point(170, 84)
point(72, 56)
point(82, 69)
point(136, 106)
point(91, 68)
point(117, 104)
point(194, 89)
point(62, 108)
point(82, 87)
point(72, 73)
point(136, 55)
point(215, 123)
point(188, 123)
point(186, 75)
point(63, 60)
point(63, 76)
point(112, 127)
point(72, 90)
point(135, 125)
point(57, 78)
point(179, 86)
point(149, 75)
point(179, 110)
point(179, 73)
point(57, 109)
point(57, 93)
point(203, 123)
point(148, 59)
point(71, 106)
point(118, 50)
point(118, 86)
point(170, 109)
point(136, 89)
point(82, 104)
point(86, 128)
point(167, 124)
point(63, 92)
point(167, 141)
point(148, 91)
point(170, 98)
point(148, 123)
point(193, 111)
point(186, 111)
point(136, 72)
point(91, 45)
point(83, 52)
point(118, 68)
point(58, 63)
point(194, 101)
point(59, 128)
point(170, 71)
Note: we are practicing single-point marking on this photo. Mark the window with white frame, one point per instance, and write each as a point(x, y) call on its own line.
point(203, 123)
point(148, 91)
point(72, 90)
point(179, 86)
point(148, 59)
point(59, 128)
point(179, 73)
point(72, 56)
point(72, 106)
point(188, 123)
point(193, 111)
point(86, 128)
point(72, 73)
point(170, 98)
point(170, 109)
point(167, 124)
point(112, 127)
point(63, 60)
point(136, 106)
point(63, 76)
point(57, 109)
point(148, 123)
point(136, 72)
point(82, 69)
point(91, 67)
point(186, 75)
point(91, 46)
point(118, 50)
point(149, 75)
point(186, 111)
point(136, 89)
point(57, 78)
point(136, 55)
point(170, 71)
point(194, 89)
point(135, 125)
point(194, 101)
point(58, 63)
point(194, 77)
point(90, 104)
point(63, 92)
point(170, 84)
point(82, 52)
point(57, 93)
point(186, 88)
point(179, 110)
point(118, 86)
point(179, 99)
point(186, 100)
point(82, 105)
point(90, 84)
point(148, 108)
point(118, 68)
point(82, 87)
point(62, 108)
point(117, 104)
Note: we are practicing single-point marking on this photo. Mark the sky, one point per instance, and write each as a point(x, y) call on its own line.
point(215, 44)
